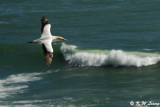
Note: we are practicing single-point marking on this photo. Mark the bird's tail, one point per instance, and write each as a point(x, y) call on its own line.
point(33, 41)
point(30, 42)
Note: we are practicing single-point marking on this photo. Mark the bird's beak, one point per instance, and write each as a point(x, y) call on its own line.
point(61, 38)
point(65, 39)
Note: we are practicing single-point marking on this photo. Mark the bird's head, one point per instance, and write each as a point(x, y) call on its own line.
point(59, 38)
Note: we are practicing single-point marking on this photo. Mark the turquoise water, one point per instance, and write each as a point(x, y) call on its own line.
point(112, 56)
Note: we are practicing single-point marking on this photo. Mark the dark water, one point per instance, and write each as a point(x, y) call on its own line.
point(112, 56)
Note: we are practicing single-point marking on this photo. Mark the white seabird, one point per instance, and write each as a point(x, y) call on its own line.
point(46, 40)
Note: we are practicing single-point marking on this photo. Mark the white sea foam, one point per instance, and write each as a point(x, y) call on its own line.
point(102, 58)
point(147, 49)
point(29, 101)
point(14, 84)
point(59, 102)
point(2, 22)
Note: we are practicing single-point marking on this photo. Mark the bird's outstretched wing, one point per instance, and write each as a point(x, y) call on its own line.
point(48, 52)
point(46, 31)
point(45, 28)
point(44, 21)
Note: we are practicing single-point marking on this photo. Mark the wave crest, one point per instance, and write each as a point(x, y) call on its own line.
point(115, 58)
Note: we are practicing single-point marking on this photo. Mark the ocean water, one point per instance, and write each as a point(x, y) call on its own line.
point(111, 59)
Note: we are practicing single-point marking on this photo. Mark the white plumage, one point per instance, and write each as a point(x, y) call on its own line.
point(46, 31)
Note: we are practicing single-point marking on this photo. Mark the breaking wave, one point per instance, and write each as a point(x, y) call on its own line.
point(81, 57)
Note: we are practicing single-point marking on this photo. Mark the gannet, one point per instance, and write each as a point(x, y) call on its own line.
point(46, 40)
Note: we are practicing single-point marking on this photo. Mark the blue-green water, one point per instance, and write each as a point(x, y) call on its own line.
point(112, 56)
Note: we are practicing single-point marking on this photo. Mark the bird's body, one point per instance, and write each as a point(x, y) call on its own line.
point(46, 40)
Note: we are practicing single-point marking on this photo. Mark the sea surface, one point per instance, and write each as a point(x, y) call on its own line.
point(111, 58)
